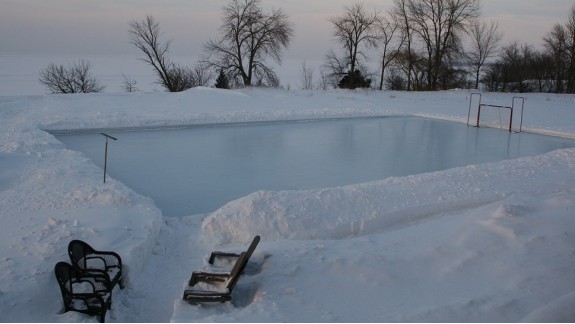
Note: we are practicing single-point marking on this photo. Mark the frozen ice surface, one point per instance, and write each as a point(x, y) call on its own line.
point(196, 170)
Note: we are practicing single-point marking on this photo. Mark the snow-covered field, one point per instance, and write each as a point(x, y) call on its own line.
point(490, 242)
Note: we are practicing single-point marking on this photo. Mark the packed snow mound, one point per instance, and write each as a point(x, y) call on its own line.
point(341, 212)
point(560, 310)
point(496, 261)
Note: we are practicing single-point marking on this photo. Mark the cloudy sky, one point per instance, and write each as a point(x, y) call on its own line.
point(93, 27)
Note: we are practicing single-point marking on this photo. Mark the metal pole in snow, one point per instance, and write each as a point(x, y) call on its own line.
point(106, 153)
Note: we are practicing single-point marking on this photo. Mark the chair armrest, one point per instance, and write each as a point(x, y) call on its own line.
point(217, 254)
point(110, 259)
point(95, 275)
point(98, 284)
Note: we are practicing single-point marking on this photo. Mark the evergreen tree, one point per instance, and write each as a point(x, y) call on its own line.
point(222, 81)
point(354, 80)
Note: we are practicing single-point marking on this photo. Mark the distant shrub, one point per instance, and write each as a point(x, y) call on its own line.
point(354, 80)
point(74, 78)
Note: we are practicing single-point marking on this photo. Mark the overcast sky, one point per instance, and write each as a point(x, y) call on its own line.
point(93, 27)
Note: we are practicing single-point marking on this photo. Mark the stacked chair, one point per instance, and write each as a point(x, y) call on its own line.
point(86, 284)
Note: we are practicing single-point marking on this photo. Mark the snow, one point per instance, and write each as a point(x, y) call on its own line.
point(480, 243)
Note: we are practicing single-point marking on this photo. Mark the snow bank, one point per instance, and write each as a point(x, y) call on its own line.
point(336, 213)
point(492, 261)
point(50, 195)
point(558, 311)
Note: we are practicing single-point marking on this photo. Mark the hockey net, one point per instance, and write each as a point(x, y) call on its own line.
point(509, 118)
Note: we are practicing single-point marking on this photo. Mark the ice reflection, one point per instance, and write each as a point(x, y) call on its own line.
point(198, 169)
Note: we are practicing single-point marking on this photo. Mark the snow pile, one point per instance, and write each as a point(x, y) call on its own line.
point(337, 213)
point(489, 242)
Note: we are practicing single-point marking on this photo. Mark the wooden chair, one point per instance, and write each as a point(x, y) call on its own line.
point(222, 284)
point(219, 273)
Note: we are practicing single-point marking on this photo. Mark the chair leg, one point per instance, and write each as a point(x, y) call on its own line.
point(103, 316)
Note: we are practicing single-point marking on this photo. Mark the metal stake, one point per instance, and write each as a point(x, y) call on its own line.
point(106, 153)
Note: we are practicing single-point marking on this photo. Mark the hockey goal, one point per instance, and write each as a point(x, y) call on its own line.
point(497, 116)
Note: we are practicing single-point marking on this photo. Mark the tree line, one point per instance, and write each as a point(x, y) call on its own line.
point(419, 45)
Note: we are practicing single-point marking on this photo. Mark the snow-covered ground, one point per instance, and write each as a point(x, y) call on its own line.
point(489, 242)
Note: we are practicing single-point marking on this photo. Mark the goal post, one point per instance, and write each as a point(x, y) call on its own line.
point(517, 114)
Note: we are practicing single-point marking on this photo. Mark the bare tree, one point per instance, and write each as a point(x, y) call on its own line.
point(202, 75)
point(306, 76)
point(334, 68)
point(129, 84)
point(145, 35)
point(556, 45)
point(515, 62)
point(401, 16)
point(412, 66)
point(249, 37)
point(560, 44)
point(439, 24)
point(75, 78)
point(484, 41)
point(395, 79)
point(542, 71)
point(355, 30)
point(324, 80)
point(570, 27)
point(388, 32)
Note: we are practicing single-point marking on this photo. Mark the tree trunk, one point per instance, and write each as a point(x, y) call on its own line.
point(382, 72)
